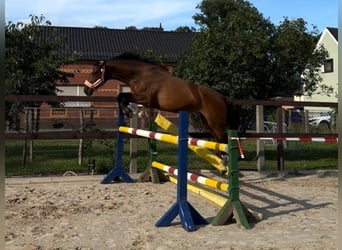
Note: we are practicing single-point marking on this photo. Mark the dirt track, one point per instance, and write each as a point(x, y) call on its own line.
point(80, 213)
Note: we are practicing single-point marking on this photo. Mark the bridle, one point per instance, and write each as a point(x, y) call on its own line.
point(97, 82)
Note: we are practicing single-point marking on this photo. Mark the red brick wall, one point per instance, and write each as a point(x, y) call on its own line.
point(80, 71)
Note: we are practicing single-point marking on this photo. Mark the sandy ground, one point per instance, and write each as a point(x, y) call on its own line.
point(299, 212)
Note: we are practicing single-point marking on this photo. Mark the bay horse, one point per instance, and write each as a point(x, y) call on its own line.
point(153, 86)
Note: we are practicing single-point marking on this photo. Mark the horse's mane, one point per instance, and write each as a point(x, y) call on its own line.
point(136, 57)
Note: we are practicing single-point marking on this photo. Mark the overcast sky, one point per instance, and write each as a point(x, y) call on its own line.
point(150, 13)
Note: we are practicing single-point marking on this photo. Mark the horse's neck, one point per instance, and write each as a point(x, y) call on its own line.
point(124, 72)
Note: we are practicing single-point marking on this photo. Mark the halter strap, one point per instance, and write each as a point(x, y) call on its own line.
point(97, 82)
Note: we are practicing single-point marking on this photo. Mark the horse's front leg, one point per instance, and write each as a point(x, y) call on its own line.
point(124, 100)
point(224, 157)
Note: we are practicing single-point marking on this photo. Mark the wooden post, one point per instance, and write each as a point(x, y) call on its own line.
point(150, 172)
point(133, 169)
point(280, 144)
point(32, 130)
point(153, 149)
point(306, 121)
point(27, 121)
point(289, 118)
point(80, 145)
point(260, 145)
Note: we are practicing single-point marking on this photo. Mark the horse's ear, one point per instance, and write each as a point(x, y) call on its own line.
point(170, 69)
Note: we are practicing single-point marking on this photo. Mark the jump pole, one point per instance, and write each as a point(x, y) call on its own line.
point(189, 216)
point(208, 194)
point(204, 153)
point(117, 171)
point(174, 139)
point(193, 177)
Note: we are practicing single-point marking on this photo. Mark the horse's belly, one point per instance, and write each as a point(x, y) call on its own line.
point(176, 103)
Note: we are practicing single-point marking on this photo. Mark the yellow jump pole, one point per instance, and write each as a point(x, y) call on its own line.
point(216, 198)
point(211, 158)
point(192, 177)
point(173, 139)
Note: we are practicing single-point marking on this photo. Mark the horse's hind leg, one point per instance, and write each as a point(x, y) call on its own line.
point(221, 138)
point(123, 100)
point(217, 126)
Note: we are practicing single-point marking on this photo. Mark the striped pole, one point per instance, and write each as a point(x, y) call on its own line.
point(211, 195)
point(208, 144)
point(193, 177)
point(150, 134)
point(242, 155)
point(298, 139)
point(174, 139)
point(204, 153)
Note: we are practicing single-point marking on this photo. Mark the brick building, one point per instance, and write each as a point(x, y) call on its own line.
point(95, 44)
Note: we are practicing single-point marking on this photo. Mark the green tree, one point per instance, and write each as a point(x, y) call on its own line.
point(243, 55)
point(131, 28)
point(32, 65)
point(185, 29)
point(295, 57)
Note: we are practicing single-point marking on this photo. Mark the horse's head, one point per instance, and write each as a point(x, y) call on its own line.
point(95, 79)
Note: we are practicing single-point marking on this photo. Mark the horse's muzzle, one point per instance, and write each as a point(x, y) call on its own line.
point(90, 87)
point(93, 85)
point(88, 91)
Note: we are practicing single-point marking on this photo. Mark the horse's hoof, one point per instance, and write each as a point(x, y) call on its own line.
point(127, 113)
point(223, 172)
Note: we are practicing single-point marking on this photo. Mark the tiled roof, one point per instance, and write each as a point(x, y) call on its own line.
point(334, 32)
point(103, 43)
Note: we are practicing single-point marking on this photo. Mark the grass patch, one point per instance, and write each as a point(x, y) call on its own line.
point(55, 157)
point(297, 155)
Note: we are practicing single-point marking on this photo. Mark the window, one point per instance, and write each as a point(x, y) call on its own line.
point(329, 65)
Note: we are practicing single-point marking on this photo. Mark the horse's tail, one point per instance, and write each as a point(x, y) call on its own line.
point(233, 114)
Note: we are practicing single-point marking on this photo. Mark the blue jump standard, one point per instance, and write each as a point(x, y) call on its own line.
point(118, 171)
point(189, 216)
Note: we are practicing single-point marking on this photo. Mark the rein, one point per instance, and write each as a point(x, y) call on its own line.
point(96, 83)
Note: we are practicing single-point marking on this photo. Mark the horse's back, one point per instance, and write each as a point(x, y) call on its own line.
point(193, 97)
point(176, 94)
point(212, 98)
